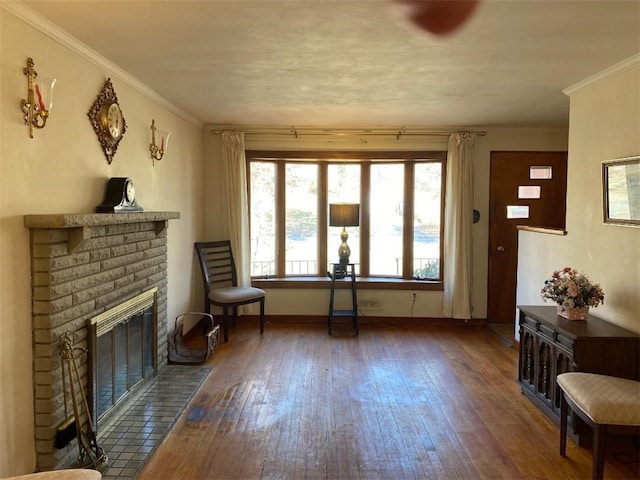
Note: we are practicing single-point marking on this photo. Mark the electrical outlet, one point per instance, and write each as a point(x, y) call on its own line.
point(369, 304)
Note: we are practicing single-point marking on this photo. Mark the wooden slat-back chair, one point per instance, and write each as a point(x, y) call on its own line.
point(221, 284)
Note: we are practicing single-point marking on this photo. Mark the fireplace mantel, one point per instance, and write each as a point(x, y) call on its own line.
point(80, 223)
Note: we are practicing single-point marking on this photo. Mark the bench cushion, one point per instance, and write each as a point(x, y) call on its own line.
point(69, 474)
point(604, 399)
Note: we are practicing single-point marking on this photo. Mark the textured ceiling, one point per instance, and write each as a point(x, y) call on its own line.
point(356, 62)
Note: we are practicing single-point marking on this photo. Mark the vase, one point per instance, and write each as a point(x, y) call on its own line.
point(575, 313)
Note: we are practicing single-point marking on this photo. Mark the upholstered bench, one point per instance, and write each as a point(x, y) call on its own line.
point(600, 401)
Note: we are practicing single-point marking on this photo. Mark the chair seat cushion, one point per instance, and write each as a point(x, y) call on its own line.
point(605, 400)
point(235, 294)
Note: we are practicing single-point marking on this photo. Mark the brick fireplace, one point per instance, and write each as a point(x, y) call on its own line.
point(83, 265)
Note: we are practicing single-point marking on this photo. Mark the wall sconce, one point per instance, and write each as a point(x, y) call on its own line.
point(157, 151)
point(39, 100)
point(344, 215)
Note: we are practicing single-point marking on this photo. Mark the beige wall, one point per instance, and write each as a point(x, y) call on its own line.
point(604, 125)
point(63, 170)
point(395, 303)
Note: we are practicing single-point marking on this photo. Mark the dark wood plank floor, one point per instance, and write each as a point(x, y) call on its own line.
point(393, 403)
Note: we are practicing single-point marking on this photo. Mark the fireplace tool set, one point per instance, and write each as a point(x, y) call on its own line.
point(90, 454)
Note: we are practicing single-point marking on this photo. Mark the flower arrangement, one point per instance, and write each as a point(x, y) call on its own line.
point(572, 289)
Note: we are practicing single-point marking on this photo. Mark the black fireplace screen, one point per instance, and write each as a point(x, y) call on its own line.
point(124, 354)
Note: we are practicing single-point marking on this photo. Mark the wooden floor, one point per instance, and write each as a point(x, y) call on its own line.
point(393, 403)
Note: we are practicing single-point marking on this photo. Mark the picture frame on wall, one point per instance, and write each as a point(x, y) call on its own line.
point(621, 191)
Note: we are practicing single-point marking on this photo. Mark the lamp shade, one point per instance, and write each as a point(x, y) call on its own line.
point(43, 87)
point(163, 139)
point(344, 214)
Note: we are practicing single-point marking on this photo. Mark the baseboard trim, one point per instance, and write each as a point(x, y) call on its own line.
point(369, 320)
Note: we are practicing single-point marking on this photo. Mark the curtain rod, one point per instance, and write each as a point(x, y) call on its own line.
point(295, 132)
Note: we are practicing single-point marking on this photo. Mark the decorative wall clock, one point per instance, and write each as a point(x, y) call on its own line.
point(107, 120)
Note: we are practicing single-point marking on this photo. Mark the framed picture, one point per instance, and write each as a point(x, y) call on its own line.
point(621, 191)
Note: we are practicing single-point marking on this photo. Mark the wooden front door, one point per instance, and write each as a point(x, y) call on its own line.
point(526, 188)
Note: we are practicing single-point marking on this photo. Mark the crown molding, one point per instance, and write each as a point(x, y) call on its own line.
point(59, 35)
point(616, 69)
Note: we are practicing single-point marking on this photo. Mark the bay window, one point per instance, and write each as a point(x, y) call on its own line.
point(401, 197)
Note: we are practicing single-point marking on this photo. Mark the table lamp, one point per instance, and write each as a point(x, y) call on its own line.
point(344, 215)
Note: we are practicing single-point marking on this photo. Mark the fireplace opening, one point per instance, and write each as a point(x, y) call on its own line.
point(124, 353)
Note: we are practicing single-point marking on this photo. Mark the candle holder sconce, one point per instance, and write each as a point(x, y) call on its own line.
point(157, 149)
point(37, 106)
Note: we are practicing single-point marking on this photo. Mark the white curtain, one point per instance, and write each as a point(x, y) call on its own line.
point(235, 172)
point(456, 302)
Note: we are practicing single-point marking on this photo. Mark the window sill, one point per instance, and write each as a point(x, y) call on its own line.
point(363, 283)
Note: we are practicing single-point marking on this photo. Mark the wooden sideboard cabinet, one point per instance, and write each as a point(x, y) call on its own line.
point(551, 345)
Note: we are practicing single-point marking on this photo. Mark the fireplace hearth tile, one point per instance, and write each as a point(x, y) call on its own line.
point(130, 439)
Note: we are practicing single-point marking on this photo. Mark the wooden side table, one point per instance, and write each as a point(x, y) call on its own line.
point(341, 272)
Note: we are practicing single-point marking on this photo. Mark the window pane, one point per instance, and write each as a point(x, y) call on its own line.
point(426, 220)
point(540, 173)
point(529, 191)
point(301, 210)
point(344, 187)
point(387, 197)
point(517, 211)
point(263, 227)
